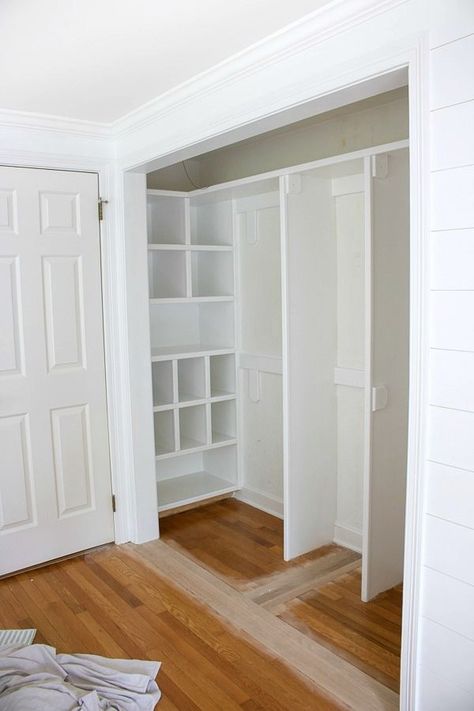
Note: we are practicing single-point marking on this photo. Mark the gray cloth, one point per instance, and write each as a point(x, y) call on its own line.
point(35, 678)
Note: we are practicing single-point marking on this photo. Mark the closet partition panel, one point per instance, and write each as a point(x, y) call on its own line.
point(309, 254)
point(385, 491)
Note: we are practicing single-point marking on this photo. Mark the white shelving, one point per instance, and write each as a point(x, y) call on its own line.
point(191, 287)
point(196, 476)
point(190, 247)
point(187, 351)
point(191, 488)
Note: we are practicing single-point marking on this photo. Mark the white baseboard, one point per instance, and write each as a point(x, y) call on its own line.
point(348, 537)
point(259, 500)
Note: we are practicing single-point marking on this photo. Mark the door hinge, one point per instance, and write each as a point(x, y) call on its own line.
point(114, 503)
point(100, 207)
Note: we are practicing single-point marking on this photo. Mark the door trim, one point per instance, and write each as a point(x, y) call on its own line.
point(414, 57)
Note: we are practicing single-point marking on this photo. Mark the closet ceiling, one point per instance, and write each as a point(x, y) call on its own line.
point(98, 61)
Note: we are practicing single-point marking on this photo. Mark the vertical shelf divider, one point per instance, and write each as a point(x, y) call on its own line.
point(174, 366)
point(207, 376)
point(177, 433)
point(187, 241)
point(208, 424)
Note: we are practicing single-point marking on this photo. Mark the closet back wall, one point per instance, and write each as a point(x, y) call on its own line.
point(375, 121)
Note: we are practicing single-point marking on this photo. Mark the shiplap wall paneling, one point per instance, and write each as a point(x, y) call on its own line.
point(447, 623)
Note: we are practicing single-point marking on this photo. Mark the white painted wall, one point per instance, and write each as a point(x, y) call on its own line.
point(349, 234)
point(259, 297)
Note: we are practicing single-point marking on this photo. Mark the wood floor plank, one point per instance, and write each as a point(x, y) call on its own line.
point(332, 673)
point(129, 610)
point(373, 629)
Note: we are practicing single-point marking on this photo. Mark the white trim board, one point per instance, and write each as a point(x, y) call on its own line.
point(348, 537)
point(260, 500)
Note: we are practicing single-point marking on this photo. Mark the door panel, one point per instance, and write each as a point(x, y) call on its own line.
point(55, 492)
point(385, 494)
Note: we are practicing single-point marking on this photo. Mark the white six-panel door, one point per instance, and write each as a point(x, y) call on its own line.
point(55, 490)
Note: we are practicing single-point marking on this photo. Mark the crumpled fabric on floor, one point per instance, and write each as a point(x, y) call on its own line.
point(35, 678)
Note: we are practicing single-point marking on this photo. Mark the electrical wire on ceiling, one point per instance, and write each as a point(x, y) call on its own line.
point(188, 176)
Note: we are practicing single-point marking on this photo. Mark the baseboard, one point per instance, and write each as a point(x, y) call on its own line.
point(348, 537)
point(259, 500)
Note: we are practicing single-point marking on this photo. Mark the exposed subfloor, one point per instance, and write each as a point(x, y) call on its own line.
point(317, 594)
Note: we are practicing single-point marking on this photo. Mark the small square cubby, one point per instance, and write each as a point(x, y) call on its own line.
point(164, 432)
point(223, 420)
point(166, 219)
point(166, 274)
point(192, 426)
point(222, 375)
point(191, 379)
point(211, 222)
point(212, 274)
point(162, 378)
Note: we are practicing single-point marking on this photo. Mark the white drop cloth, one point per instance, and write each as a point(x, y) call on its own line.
point(35, 678)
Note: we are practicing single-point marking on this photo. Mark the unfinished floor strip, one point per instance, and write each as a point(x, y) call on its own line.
point(292, 582)
point(332, 674)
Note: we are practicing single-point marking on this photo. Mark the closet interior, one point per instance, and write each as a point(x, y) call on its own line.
point(279, 350)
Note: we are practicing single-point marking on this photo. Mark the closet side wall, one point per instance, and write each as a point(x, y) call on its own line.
point(260, 387)
point(350, 361)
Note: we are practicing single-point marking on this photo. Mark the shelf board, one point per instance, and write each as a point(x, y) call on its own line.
point(217, 397)
point(189, 488)
point(217, 394)
point(189, 299)
point(164, 452)
point(186, 443)
point(192, 350)
point(190, 247)
point(163, 408)
point(188, 398)
point(199, 448)
point(218, 438)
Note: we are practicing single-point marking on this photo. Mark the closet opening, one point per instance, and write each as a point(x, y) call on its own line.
point(278, 276)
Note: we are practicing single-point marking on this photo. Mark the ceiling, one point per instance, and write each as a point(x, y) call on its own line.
point(97, 60)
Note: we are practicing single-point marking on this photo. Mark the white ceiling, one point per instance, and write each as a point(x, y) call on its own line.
point(99, 59)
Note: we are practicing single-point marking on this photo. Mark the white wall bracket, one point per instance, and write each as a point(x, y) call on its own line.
point(379, 166)
point(379, 397)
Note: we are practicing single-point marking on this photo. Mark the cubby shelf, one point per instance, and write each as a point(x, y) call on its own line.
point(190, 247)
point(199, 448)
point(215, 398)
point(187, 351)
point(190, 488)
point(189, 299)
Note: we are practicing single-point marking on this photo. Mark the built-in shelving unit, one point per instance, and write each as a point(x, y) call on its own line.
point(191, 289)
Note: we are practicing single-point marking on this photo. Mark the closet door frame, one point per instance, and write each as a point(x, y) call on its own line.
point(411, 57)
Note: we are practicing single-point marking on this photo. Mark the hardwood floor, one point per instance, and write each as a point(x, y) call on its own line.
point(236, 542)
point(366, 634)
point(109, 603)
point(243, 546)
point(234, 625)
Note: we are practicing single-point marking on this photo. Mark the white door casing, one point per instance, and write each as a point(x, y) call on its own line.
point(55, 491)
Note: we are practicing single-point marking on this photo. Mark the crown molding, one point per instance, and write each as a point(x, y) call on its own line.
point(332, 19)
point(54, 124)
point(328, 21)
